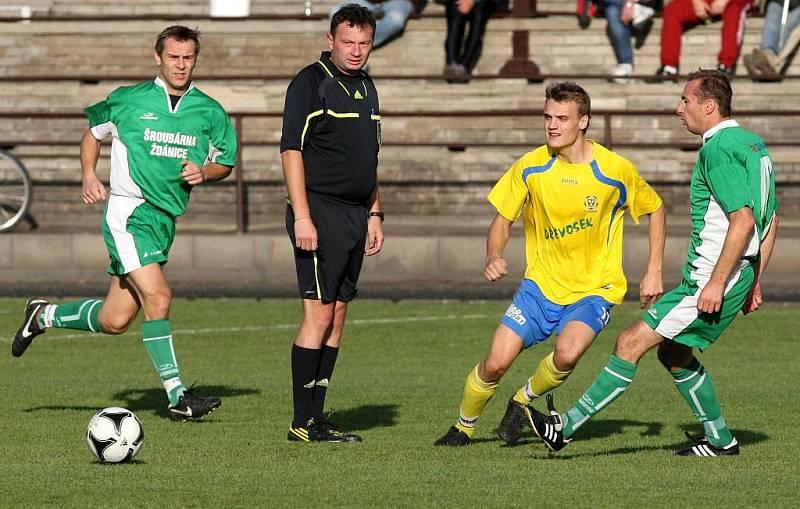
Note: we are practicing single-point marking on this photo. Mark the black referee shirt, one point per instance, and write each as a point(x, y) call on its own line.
point(333, 118)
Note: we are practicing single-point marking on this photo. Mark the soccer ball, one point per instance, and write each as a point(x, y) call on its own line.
point(115, 435)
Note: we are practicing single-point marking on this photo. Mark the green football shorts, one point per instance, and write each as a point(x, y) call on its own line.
point(675, 315)
point(136, 234)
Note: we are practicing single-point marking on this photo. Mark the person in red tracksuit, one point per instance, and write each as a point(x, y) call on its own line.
point(680, 14)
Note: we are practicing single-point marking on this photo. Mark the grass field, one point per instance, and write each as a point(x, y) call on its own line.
point(398, 383)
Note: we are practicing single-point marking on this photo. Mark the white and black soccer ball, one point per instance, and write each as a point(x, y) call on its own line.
point(115, 435)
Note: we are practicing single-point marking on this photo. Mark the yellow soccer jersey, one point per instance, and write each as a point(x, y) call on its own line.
point(573, 218)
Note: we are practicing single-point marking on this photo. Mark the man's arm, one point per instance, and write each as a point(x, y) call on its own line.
point(193, 174)
point(651, 287)
point(294, 175)
point(496, 240)
point(374, 225)
point(754, 300)
point(92, 190)
point(738, 236)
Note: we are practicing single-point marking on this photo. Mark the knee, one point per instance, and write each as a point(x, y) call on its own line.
point(564, 359)
point(114, 325)
point(664, 358)
point(627, 345)
point(672, 357)
point(322, 320)
point(158, 301)
point(492, 370)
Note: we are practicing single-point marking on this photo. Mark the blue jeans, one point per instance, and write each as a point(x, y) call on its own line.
point(619, 34)
point(772, 26)
point(395, 14)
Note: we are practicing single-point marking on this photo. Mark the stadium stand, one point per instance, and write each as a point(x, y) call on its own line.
point(443, 144)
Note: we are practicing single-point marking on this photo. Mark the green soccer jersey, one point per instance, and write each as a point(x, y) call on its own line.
point(151, 138)
point(733, 170)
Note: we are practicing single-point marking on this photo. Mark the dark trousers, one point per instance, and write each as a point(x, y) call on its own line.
point(462, 46)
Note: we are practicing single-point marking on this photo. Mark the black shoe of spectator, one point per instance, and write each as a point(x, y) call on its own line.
point(664, 73)
point(728, 71)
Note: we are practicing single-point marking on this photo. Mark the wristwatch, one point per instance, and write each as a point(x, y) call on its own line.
point(376, 214)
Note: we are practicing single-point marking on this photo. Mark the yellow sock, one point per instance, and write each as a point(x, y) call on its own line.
point(476, 394)
point(545, 379)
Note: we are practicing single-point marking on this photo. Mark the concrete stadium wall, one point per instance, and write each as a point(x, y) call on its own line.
point(261, 265)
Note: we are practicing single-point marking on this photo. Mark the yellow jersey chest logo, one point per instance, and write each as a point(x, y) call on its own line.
point(591, 203)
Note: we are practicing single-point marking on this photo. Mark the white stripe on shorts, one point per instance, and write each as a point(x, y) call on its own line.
point(119, 209)
point(685, 312)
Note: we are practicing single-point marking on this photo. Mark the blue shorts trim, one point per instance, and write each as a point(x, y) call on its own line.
point(533, 317)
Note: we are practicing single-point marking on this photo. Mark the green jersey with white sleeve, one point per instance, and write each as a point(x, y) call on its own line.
point(734, 169)
point(151, 138)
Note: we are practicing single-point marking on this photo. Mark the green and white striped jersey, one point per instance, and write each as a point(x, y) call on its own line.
point(151, 139)
point(734, 169)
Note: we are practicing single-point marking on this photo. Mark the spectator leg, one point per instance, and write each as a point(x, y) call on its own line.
point(733, 31)
point(677, 15)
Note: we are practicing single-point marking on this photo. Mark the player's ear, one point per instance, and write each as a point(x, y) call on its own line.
point(157, 57)
point(584, 122)
point(330, 40)
point(709, 106)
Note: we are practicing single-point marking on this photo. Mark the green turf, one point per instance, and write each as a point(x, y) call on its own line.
point(398, 383)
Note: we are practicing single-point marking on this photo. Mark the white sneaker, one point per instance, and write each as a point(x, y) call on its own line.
point(621, 74)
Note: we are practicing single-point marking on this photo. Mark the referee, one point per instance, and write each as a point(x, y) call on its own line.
point(329, 151)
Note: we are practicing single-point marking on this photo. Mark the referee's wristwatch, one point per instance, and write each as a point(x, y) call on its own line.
point(376, 214)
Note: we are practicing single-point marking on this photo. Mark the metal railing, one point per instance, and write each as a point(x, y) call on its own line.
point(608, 139)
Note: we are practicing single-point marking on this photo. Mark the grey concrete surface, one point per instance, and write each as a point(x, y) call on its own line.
point(262, 265)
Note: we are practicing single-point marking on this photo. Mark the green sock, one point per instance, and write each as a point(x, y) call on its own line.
point(158, 342)
point(608, 386)
point(695, 385)
point(77, 315)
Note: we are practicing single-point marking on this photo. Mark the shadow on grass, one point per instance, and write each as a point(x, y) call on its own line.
point(365, 417)
point(606, 428)
point(106, 464)
point(144, 400)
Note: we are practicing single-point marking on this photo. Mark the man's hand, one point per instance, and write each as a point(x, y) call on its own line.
point(717, 7)
point(496, 268)
point(374, 236)
point(92, 190)
point(754, 300)
point(305, 234)
point(465, 6)
point(701, 9)
point(626, 13)
point(710, 300)
point(650, 289)
point(191, 173)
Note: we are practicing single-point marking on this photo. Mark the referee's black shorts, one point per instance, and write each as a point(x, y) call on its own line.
point(331, 272)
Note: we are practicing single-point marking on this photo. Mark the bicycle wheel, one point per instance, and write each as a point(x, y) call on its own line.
point(15, 191)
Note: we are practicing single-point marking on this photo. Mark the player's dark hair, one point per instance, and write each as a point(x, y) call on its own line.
point(716, 86)
point(180, 33)
point(353, 15)
point(569, 91)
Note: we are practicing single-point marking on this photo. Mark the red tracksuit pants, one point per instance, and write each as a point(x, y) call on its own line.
point(679, 14)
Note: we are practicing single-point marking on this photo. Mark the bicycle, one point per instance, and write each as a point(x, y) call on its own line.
point(16, 191)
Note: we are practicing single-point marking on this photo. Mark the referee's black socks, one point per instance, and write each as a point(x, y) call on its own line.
point(327, 360)
point(305, 362)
